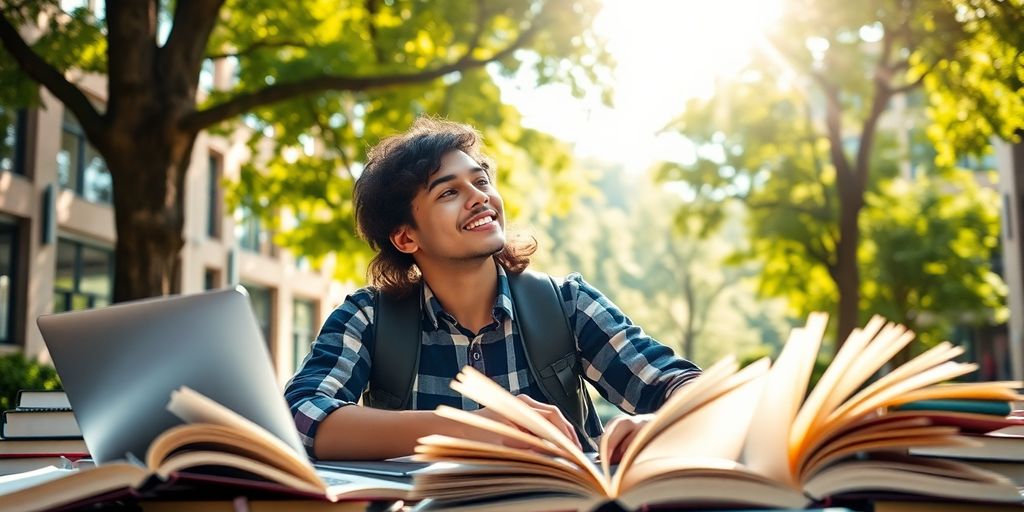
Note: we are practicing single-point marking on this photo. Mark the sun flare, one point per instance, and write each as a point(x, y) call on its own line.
point(667, 51)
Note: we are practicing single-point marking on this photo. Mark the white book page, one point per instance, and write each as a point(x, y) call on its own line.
point(767, 448)
point(194, 407)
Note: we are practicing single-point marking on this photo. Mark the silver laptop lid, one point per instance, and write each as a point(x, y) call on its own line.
point(119, 364)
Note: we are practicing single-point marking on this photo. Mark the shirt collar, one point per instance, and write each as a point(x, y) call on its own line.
point(502, 302)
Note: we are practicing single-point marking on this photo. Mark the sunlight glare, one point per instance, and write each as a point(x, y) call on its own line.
point(668, 51)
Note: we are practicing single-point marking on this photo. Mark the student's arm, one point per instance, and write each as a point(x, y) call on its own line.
point(628, 367)
point(364, 433)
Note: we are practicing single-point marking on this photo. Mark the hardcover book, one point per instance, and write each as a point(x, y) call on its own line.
point(42, 399)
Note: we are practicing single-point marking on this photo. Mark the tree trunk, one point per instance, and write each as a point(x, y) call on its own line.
point(149, 210)
point(847, 275)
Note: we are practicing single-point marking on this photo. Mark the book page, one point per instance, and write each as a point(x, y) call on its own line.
point(510, 462)
point(936, 355)
point(881, 476)
point(717, 430)
point(892, 393)
point(495, 427)
point(1001, 391)
point(49, 488)
point(829, 391)
point(186, 460)
point(193, 407)
point(694, 394)
point(479, 388)
point(225, 439)
point(767, 447)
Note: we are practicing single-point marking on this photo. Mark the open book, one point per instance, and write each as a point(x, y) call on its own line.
point(736, 437)
point(214, 446)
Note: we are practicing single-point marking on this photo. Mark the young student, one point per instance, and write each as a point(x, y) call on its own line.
point(427, 202)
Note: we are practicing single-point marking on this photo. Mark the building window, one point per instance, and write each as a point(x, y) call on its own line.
point(251, 234)
point(8, 268)
point(214, 210)
point(303, 328)
point(85, 276)
point(212, 279)
point(262, 299)
point(80, 167)
point(12, 140)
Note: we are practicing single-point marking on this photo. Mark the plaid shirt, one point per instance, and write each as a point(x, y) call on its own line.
point(628, 367)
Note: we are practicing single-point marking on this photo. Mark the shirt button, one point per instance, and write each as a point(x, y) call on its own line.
point(476, 356)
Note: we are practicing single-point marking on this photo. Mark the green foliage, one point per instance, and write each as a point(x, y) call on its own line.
point(764, 140)
point(306, 151)
point(17, 373)
point(976, 89)
point(931, 243)
point(313, 180)
point(70, 40)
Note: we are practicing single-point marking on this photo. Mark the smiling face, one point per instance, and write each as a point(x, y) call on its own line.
point(459, 215)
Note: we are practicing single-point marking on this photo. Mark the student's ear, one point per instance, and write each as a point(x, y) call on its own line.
point(404, 240)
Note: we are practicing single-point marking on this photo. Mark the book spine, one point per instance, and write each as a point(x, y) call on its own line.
point(990, 407)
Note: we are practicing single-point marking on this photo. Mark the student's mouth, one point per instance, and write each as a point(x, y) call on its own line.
point(482, 222)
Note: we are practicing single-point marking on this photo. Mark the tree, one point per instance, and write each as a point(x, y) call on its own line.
point(335, 72)
point(797, 136)
point(931, 242)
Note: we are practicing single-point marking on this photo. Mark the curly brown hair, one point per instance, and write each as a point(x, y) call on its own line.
point(396, 169)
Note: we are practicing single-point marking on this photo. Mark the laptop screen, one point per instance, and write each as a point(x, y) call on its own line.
point(119, 365)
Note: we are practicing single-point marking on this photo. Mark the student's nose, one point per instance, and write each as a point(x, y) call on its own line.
point(476, 198)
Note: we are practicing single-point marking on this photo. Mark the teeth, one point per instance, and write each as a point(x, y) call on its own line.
point(479, 223)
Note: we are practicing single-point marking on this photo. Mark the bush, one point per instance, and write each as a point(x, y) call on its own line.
point(18, 372)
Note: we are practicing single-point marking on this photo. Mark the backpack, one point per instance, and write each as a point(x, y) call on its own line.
point(547, 340)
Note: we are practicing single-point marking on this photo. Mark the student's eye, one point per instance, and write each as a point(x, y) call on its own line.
point(446, 193)
point(483, 182)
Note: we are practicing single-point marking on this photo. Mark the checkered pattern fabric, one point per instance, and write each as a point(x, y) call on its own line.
point(628, 367)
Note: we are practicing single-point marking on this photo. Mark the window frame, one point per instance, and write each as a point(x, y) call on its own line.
point(310, 334)
point(71, 126)
point(7, 337)
point(215, 196)
point(76, 277)
point(20, 133)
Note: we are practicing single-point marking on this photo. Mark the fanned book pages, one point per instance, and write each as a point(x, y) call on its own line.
point(736, 437)
point(215, 446)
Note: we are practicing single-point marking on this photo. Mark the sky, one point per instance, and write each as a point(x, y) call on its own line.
point(667, 51)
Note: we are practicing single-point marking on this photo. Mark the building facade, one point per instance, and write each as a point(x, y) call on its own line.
point(57, 235)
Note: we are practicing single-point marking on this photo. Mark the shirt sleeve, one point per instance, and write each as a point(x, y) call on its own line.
point(629, 368)
point(337, 368)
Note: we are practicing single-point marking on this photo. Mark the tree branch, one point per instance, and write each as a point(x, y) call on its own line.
point(820, 255)
point(258, 45)
point(182, 55)
point(915, 82)
point(327, 133)
point(371, 11)
point(283, 91)
point(834, 127)
point(42, 72)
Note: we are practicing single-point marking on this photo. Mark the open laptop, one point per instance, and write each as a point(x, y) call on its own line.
point(119, 365)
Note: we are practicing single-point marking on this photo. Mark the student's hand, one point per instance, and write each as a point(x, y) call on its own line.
point(620, 432)
point(549, 412)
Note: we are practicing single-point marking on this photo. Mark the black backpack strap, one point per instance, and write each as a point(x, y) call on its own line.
point(396, 350)
point(550, 346)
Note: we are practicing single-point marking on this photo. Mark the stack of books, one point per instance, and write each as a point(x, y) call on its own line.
point(40, 431)
point(740, 438)
point(1000, 450)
